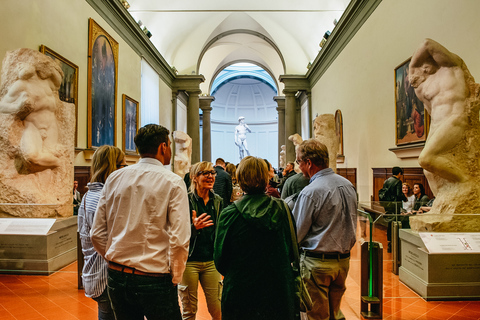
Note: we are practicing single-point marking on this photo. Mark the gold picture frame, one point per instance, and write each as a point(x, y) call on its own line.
point(131, 123)
point(339, 131)
point(411, 119)
point(102, 86)
point(68, 91)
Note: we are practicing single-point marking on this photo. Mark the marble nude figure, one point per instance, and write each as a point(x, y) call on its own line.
point(37, 133)
point(241, 137)
point(451, 155)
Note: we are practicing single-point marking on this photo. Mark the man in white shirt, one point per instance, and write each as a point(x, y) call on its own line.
point(142, 228)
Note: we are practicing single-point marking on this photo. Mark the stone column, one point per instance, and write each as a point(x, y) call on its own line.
point(281, 121)
point(193, 123)
point(205, 103)
point(191, 85)
point(293, 84)
point(290, 123)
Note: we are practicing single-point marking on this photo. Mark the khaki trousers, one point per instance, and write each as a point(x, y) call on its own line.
point(211, 281)
point(325, 281)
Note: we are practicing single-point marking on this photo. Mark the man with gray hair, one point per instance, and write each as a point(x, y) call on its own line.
point(325, 214)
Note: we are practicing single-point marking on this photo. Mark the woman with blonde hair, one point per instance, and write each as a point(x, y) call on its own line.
point(407, 204)
point(106, 160)
point(205, 207)
point(254, 251)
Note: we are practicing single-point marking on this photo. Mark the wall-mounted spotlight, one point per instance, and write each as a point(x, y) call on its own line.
point(147, 33)
point(324, 39)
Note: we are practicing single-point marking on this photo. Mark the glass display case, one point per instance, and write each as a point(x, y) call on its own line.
point(435, 255)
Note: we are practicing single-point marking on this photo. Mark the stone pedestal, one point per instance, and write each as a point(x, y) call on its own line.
point(438, 276)
point(41, 255)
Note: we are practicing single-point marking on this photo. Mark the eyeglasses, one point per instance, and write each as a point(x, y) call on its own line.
point(297, 161)
point(206, 173)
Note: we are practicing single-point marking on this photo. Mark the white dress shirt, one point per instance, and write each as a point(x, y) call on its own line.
point(142, 219)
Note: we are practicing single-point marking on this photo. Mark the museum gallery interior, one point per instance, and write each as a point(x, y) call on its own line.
point(202, 68)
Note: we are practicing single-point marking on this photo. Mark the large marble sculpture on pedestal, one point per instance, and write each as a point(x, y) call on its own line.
point(36, 137)
point(451, 155)
point(183, 153)
point(324, 131)
point(241, 137)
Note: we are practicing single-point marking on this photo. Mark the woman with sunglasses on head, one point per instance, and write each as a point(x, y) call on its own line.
point(205, 207)
point(106, 160)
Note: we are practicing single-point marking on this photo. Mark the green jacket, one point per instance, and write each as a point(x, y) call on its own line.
point(253, 250)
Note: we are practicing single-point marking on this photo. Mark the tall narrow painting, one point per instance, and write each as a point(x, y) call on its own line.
point(339, 131)
point(411, 117)
point(102, 86)
point(68, 91)
point(130, 124)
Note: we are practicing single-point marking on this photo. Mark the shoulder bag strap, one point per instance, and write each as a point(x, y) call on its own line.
point(293, 237)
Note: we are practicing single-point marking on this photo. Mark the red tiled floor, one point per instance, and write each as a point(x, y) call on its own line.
point(56, 297)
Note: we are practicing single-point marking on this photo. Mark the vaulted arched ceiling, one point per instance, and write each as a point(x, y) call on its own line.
point(201, 37)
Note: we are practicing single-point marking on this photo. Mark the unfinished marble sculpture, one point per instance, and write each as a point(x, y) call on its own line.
point(283, 157)
point(183, 152)
point(451, 155)
point(324, 131)
point(37, 134)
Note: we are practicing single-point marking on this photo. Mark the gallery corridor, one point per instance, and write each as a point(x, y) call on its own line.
point(57, 297)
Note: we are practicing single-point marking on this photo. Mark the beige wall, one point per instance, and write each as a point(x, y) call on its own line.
point(360, 82)
point(63, 27)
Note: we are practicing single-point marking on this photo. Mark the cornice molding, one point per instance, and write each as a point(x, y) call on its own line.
point(355, 15)
point(188, 83)
point(294, 83)
point(123, 23)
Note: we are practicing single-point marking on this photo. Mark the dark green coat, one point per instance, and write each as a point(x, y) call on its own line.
point(253, 250)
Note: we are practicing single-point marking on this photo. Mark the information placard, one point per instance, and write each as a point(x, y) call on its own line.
point(30, 226)
point(448, 242)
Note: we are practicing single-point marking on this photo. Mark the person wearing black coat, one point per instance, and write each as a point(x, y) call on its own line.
point(223, 182)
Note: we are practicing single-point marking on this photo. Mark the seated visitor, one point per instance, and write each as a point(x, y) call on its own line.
point(407, 203)
point(427, 207)
point(421, 198)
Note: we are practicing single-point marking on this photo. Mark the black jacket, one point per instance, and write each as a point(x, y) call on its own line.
point(393, 195)
point(223, 185)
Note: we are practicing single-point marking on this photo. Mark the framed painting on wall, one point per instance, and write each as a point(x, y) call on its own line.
point(68, 91)
point(130, 123)
point(411, 119)
point(339, 131)
point(102, 86)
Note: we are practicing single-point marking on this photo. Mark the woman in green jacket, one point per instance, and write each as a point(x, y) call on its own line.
point(200, 266)
point(253, 251)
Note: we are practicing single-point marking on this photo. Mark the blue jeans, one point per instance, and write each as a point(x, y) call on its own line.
point(105, 311)
point(134, 296)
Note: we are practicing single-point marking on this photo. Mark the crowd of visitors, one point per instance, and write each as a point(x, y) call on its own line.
point(150, 237)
